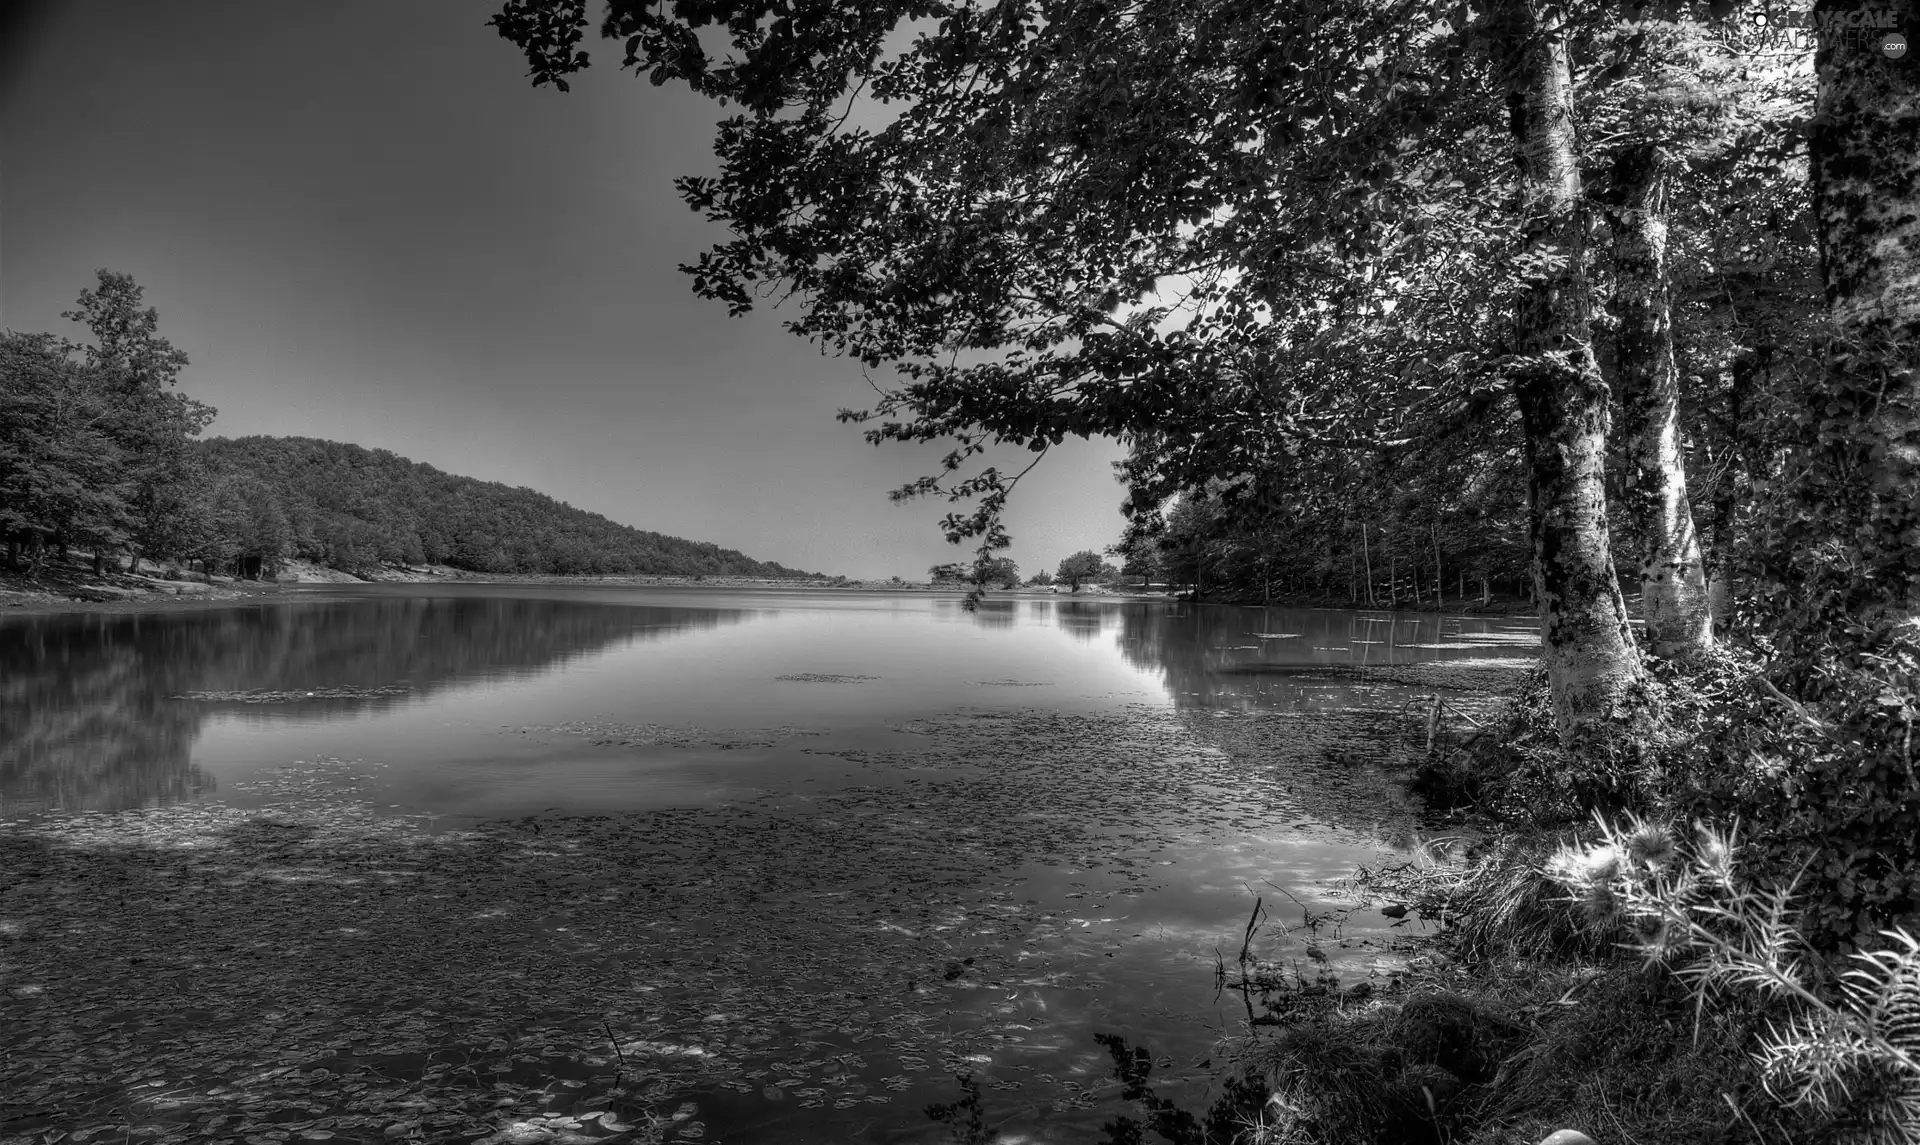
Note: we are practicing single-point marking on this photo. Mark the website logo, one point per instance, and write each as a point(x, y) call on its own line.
point(1872, 27)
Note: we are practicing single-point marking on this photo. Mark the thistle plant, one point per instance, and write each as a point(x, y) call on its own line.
point(1681, 905)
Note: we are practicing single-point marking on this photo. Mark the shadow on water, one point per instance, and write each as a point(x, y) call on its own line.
point(100, 712)
point(1224, 656)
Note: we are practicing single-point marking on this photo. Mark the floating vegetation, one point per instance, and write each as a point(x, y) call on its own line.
point(1013, 683)
point(825, 678)
point(269, 696)
point(1278, 635)
point(316, 968)
point(326, 782)
point(608, 733)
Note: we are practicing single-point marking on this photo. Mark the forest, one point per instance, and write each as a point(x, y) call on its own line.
point(100, 452)
point(348, 507)
point(1392, 300)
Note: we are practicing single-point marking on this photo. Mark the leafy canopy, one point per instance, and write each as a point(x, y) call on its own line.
point(1166, 221)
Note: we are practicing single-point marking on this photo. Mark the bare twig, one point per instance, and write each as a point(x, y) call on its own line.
point(1767, 688)
point(622, 1071)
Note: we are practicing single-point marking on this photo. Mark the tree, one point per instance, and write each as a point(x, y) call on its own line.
point(1587, 643)
point(1677, 92)
point(1040, 579)
point(1139, 555)
point(1840, 561)
point(1084, 565)
point(151, 425)
point(60, 467)
point(999, 570)
point(996, 209)
point(1866, 207)
point(251, 533)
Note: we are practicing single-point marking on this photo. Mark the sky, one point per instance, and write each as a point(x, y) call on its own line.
point(363, 223)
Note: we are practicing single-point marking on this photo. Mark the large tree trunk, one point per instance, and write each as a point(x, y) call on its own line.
point(1593, 667)
point(1865, 168)
point(1673, 581)
point(1846, 546)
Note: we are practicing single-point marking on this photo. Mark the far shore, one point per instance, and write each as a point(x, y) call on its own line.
point(72, 587)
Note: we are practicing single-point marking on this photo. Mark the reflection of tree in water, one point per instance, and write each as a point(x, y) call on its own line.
point(1209, 656)
point(994, 613)
point(1278, 705)
point(1082, 619)
point(89, 711)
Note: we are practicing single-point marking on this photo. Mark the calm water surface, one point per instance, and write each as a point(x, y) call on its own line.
point(1176, 761)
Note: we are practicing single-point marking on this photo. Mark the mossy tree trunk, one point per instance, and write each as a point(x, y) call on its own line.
point(1842, 576)
point(1593, 666)
point(1673, 581)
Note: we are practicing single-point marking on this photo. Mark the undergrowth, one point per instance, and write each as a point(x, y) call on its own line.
point(1606, 965)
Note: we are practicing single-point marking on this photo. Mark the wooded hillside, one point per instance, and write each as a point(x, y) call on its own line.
point(349, 507)
point(99, 451)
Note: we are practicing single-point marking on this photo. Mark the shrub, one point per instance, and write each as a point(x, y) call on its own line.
point(1679, 903)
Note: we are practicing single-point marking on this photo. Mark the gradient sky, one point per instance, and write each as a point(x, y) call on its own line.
point(363, 223)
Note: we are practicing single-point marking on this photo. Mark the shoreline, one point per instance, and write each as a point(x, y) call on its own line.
point(72, 589)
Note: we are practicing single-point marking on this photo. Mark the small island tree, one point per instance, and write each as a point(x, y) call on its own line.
point(1084, 565)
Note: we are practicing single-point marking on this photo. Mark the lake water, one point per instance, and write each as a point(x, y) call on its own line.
point(865, 842)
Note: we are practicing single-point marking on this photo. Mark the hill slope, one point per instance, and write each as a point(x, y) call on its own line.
point(353, 508)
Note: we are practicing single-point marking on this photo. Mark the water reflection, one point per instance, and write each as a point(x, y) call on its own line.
point(995, 613)
point(92, 714)
point(1221, 656)
point(1082, 619)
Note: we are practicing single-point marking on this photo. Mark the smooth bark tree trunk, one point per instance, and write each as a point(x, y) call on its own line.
point(1366, 553)
point(1864, 164)
point(1439, 576)
point(1673, 581)
point(1736, 471)
point(1593, 667)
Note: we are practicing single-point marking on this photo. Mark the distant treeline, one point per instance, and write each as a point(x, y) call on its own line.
point(348, 507)
point(98, 452)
